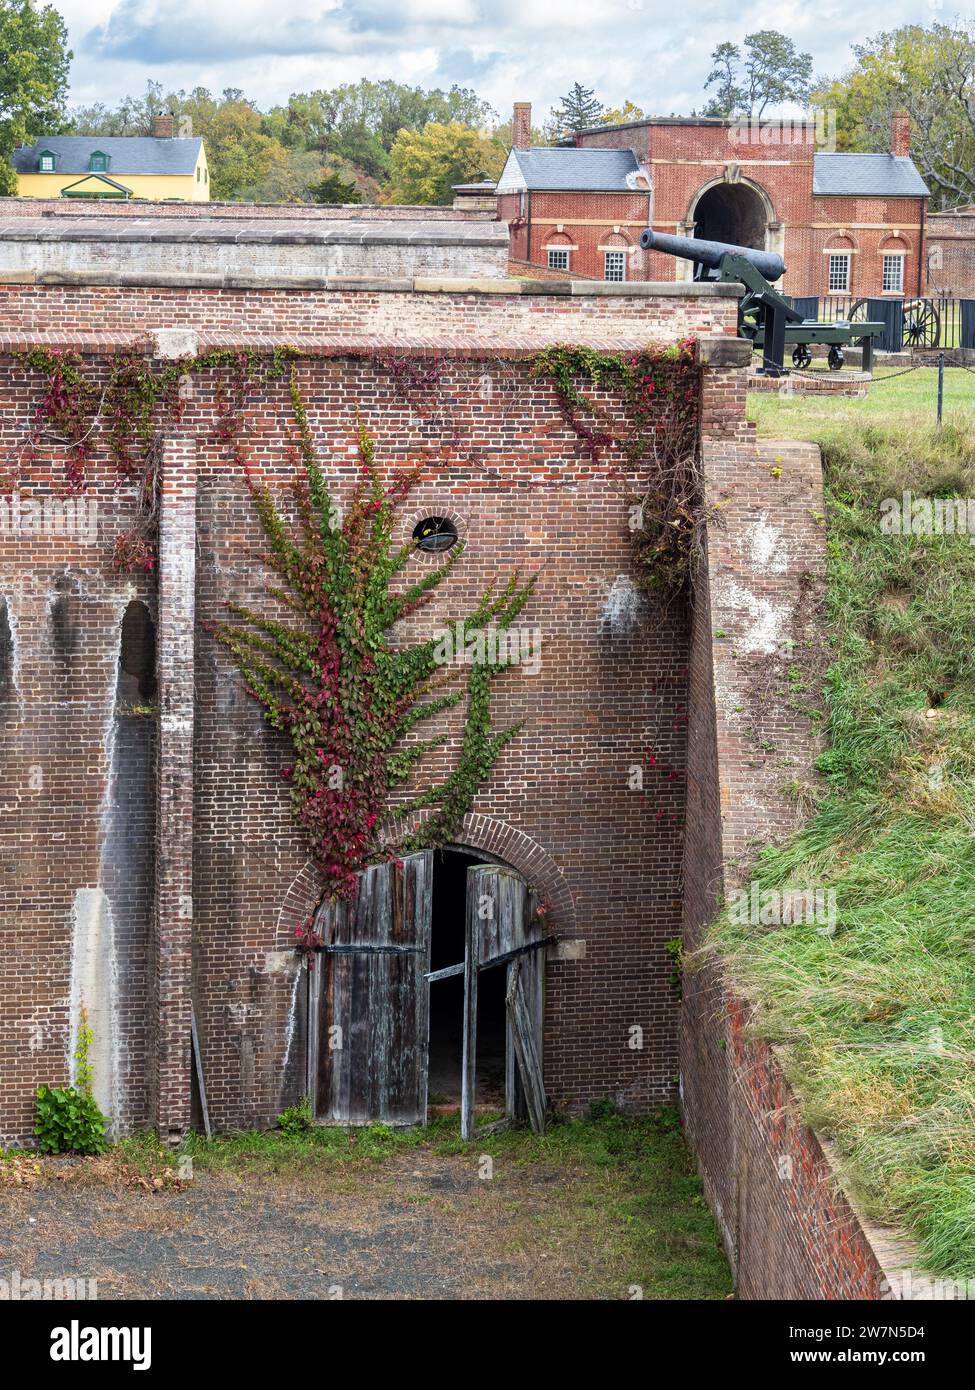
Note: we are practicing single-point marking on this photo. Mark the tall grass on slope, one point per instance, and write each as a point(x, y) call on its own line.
point(878, 1018)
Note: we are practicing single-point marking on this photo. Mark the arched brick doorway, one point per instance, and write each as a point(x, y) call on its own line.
point(732, 212)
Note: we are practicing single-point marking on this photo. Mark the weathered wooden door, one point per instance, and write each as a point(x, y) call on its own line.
point(505, 932)
point(369, 1006)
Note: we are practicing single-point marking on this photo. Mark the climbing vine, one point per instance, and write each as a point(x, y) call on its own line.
point(127, 409)
point(654, 424)
point(332, 681)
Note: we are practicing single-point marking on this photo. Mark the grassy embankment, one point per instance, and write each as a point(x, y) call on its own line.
point(879, 1018)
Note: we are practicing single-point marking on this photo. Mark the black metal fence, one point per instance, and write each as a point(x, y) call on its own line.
point(938, 321)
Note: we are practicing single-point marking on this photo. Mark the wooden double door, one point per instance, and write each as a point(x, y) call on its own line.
point(369, 994)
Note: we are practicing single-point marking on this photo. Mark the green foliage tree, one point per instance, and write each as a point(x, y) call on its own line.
point(768, 72)
point(347, 131)
point(424, 164)
point(34, 60)
point(928, 72)
point(578, 109)
point(332, 188)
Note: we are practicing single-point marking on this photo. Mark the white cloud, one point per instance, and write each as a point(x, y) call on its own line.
point(650, 51)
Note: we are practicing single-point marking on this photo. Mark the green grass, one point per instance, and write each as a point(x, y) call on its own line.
point(623, 1188)
point(878, 1020)
point(909, 398)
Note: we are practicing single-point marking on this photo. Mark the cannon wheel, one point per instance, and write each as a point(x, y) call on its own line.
point(835, 359)
point(922, 323)
point(859, 311)
point(801, 356)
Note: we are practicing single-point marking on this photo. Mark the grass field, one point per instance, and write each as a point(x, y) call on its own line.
point(894, 397)
point(878, 1019)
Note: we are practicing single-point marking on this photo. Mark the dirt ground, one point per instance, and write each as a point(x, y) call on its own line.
point(420, 1224)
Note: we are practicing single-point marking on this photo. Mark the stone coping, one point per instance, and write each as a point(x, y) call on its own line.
point(256, 232)
point(715, 350)
point(598, 289)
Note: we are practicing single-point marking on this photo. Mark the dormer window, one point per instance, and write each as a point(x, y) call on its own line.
point(98, 162)
point(46, 161)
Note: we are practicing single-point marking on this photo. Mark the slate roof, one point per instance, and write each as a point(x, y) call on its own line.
point(566, 170)
point(127, 154)
point(867, 175)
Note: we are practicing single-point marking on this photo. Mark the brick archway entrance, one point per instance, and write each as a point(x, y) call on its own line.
point(732, 212)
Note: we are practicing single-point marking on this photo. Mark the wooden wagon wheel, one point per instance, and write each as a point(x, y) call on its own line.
point(922, 323)
point(859, 311)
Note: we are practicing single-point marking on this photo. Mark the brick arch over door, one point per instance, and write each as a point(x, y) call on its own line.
point(494, 837)
point(744, 201)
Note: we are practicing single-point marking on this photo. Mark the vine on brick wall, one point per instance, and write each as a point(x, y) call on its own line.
point(657, 392)
point(128, 410)
point(657, 431)
point(348, 701)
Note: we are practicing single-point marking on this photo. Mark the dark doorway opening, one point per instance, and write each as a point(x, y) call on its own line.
point(447, 946)
point(731, 212)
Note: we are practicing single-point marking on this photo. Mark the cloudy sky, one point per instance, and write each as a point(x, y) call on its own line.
point(653, 51)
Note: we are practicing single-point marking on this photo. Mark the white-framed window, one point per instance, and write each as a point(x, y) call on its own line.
point(615, 265)
point(893, 280)
point(46, 164)
point(839, 271)
point(558, 259)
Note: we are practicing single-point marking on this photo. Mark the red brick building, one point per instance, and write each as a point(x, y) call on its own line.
point(846, 224)
point(951, 252)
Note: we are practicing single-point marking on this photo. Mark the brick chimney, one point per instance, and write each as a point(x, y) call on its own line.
point(162, 126)
point(521, 126)
point(900, 133)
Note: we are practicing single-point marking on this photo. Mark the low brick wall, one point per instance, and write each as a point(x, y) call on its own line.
point(842, 383)
point(328, 212)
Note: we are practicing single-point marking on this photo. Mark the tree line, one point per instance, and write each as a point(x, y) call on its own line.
point(384, 141)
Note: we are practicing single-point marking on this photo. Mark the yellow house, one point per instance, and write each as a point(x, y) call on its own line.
point(154, 166)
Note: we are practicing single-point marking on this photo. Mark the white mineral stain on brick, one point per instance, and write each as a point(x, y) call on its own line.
point(769, 622)
point(292, 1020)
point(622, 608)
point(94, 988)
point(766, 548)
point(14, 645)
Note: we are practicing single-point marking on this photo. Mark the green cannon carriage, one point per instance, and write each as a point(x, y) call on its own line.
point(764, 315)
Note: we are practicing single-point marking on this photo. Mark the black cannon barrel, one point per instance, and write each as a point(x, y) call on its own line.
point(709, 253)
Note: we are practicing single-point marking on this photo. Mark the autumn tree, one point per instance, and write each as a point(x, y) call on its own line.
point(34, 60)
point(425, 164)
point(928, 72)
point(619, 115)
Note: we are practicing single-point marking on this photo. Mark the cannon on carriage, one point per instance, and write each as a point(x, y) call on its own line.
point(764, 315)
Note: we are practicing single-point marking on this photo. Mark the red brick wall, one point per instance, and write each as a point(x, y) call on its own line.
point(588, 222)
point(951, 253)
point(61, 738)
point(560, 806)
